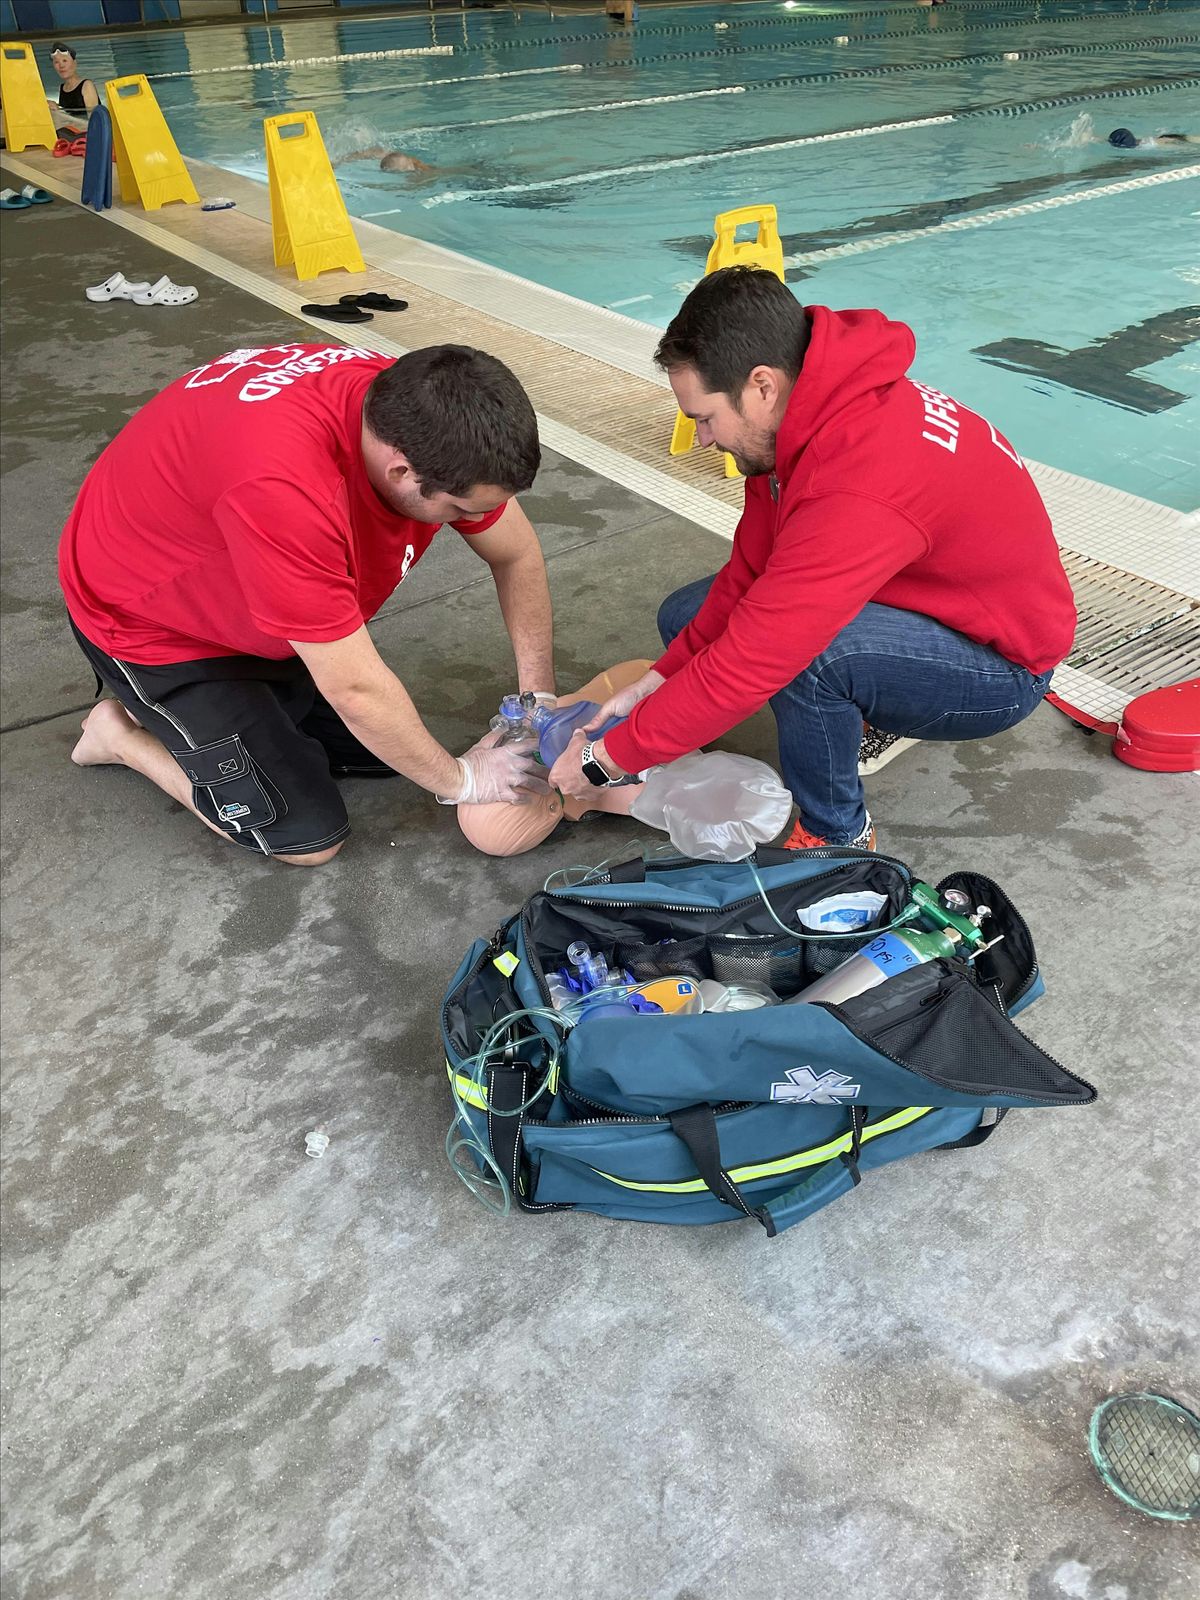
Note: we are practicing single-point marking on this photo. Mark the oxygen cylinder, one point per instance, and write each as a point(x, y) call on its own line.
point(886, 955)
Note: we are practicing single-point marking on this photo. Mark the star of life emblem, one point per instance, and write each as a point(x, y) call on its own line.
point(804, 1087)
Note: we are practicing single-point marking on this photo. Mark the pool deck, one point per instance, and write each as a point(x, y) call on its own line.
point(233, 1373)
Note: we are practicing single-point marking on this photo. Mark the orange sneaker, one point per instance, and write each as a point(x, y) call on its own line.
point(801, 839)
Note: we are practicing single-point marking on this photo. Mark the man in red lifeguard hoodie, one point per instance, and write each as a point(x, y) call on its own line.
point(894, 561)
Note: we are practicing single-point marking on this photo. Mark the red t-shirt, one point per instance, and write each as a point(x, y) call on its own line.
point(887, 491)
point(233, 513)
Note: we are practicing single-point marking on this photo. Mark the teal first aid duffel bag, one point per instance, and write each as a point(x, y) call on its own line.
point(768, 1113)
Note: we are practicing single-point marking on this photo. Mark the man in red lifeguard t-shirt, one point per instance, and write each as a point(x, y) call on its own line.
point(228, 548)
point(894, 561)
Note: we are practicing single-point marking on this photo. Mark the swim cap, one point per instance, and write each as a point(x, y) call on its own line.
point(1122, 138)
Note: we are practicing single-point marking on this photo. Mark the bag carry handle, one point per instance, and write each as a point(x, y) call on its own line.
point(697, 1127)
point(830, 1179)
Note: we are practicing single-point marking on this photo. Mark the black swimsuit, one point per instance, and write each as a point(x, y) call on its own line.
point(72, 99)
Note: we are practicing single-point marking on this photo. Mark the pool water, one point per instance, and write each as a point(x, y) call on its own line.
point(1051, 279)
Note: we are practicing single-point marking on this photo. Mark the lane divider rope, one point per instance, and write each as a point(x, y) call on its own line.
point(672, 163)
point(635, 57)
point(794, 80)
point(984, 219)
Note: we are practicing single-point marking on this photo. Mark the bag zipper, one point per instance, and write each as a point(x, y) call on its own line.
point(616, 1116)
point(840, 1013)
point(736, 905)
point(495, 944)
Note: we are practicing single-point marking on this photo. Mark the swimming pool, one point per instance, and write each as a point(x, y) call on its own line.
point(1050, 278)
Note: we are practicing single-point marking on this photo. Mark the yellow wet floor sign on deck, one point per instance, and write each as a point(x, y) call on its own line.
point(764, 250)
point(27, 118)
point(310, 225)
point(149, 165)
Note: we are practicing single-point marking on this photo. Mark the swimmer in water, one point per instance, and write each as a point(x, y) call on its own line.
point(1124, 139)
point(389, 160)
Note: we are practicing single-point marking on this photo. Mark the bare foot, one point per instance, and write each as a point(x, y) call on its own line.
point(105, 729)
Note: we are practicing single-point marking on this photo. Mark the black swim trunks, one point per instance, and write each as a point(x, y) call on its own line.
point(261, 745)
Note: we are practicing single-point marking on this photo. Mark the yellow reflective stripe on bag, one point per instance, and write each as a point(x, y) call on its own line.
point(784, 1164)
point(468, 1089)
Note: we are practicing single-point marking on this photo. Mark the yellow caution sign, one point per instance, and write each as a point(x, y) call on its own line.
point(149, 165)
point(27, 118)
point(310, 225)
point(764, 250)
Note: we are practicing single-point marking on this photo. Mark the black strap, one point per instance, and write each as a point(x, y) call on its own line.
point(858, 1121)
point(985, 1130)
point(697, 1127)
point(507, 1088)
point(625, 872)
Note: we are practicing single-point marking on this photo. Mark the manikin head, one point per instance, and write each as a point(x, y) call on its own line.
point(733, 353)
point(448, 433)
point(501, 829)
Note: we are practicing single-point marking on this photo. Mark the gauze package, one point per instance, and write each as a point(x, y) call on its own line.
point(843, 913)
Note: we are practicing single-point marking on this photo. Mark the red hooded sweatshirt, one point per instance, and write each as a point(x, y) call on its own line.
point(887, 491)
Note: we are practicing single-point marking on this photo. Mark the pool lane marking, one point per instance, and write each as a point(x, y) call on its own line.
point(797, 80)
point(734, 46)
point(984, 219)
point(287, 63)
point(599, 175)
point(425, 83)
point(574, 180)
point(791, 81)
point(578, 111)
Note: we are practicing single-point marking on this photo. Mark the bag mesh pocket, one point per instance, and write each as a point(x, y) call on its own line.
point(822, 955)
point(773, 959)
point(645, 961)
point(962, 1042)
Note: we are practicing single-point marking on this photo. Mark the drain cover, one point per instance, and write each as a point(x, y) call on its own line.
point(1147, 1450)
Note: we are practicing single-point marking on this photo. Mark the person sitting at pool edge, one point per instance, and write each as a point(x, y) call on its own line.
point(894, 562)
point(229, 546)
point(74, 93)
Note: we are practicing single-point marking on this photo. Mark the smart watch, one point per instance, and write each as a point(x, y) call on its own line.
point(593, 771)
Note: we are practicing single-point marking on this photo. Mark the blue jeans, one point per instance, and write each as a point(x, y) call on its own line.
point(898, 670)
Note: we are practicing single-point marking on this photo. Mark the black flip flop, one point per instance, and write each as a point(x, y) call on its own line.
point(338, 313)
point(374, 301)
